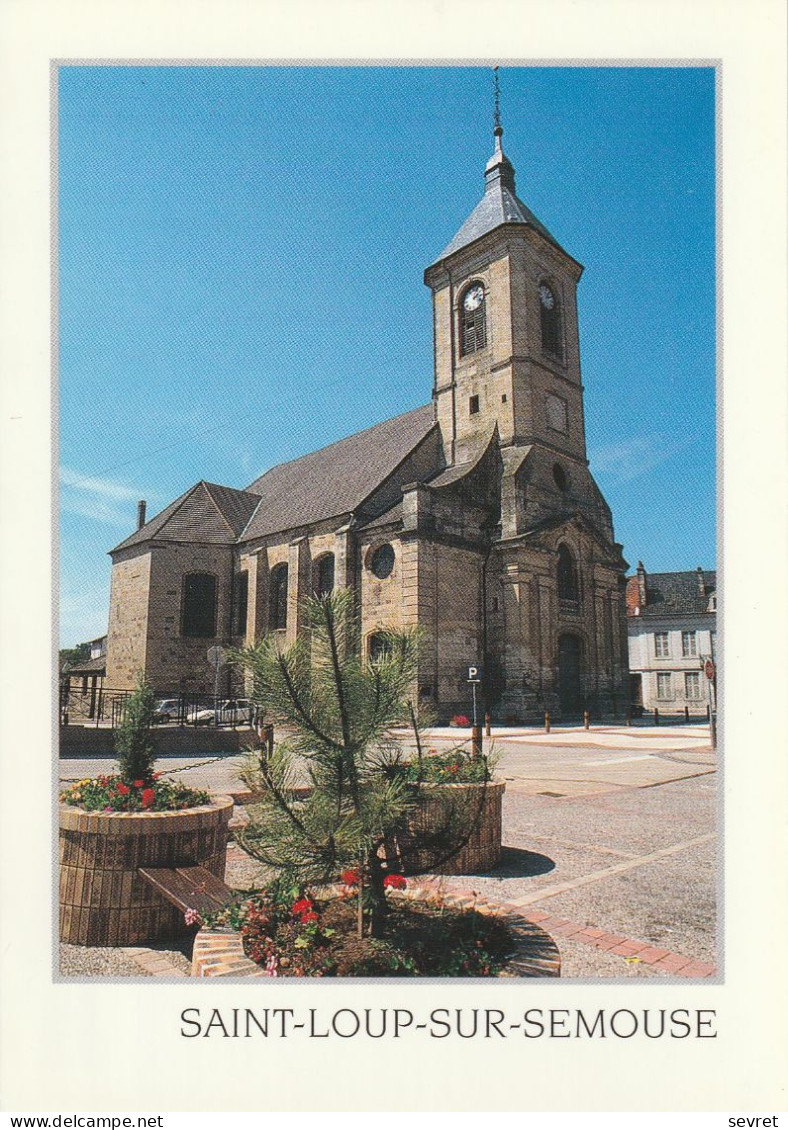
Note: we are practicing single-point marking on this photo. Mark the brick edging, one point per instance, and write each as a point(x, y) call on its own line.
point(646, 952)
point(218, 952)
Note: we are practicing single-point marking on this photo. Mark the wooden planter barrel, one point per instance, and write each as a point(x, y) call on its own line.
point(104, 901)
point(476, 808)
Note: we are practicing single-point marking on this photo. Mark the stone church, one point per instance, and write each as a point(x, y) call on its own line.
point(474, 517)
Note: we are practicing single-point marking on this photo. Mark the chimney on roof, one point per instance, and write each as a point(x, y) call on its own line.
point(140, 513)
point(641, 574)
point(701, 582)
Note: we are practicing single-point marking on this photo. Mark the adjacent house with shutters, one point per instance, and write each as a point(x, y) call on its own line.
point(475, 516)
point(672, 626)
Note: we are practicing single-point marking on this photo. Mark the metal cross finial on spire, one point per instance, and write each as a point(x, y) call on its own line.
point(497, 127)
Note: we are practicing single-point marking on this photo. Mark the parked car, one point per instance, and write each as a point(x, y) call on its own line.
point(167, 710)
point(233, 711)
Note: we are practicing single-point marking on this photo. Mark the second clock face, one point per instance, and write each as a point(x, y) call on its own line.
point(473, 298)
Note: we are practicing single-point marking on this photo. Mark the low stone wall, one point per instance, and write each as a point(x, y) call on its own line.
point(219, 952)
point(474, 809)
point(96, 741)
point(103, 899)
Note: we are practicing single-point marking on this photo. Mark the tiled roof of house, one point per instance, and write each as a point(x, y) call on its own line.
point(338, 478)
point(95, 666)
point(673, 594)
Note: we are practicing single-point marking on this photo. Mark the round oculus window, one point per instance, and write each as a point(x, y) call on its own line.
point(382, 561)
point(560, 476)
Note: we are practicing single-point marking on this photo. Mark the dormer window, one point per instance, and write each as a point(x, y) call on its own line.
point(473, 319)
point(550, 314)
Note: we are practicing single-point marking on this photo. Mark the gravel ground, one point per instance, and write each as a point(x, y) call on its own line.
point(97, 961)
point(100, 961)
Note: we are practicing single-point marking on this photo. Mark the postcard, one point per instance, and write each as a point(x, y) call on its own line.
point(396, 676)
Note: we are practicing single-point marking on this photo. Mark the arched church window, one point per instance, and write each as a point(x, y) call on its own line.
point(378, 647)
point(473, 319)
point(198, 606)
point(277, 598)
point(550, 314)
point(324, 575)
point(568, 588)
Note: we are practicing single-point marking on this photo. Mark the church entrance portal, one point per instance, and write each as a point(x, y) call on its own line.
point(570, 693)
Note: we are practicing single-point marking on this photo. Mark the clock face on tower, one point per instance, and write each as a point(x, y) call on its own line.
point(473, 299)
point(546, 297)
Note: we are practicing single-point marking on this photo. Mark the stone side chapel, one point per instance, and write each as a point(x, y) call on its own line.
point(475, 516)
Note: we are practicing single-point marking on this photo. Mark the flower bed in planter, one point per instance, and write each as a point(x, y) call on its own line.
point(103, 899)
point(219, 951)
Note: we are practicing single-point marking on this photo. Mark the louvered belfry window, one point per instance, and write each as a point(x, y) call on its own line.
point(473, 319)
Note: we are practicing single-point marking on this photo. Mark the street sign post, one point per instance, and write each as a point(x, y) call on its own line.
point(216, 657)
point(474, 678)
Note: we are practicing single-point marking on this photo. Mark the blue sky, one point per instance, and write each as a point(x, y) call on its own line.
point(241, 253)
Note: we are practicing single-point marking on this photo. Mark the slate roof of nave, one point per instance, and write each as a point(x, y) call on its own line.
point(336, 479)
point(323, 484)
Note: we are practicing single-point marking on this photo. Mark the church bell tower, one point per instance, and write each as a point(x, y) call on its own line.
point(505, 329)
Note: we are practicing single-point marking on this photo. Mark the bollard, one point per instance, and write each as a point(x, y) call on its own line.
point(656, 716)
point(629, 718)
point(708, 713)
point(266, 736)
point(487, 721)
point(686, 714)
point(546, 722)
point(586, 719)
point(476, 741)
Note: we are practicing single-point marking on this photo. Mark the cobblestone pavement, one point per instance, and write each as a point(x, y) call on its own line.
point(611, 835)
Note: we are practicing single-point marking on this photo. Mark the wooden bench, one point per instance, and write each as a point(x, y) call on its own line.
point(189, 888)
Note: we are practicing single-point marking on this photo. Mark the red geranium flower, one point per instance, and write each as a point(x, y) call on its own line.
point(308, 916)
point(395, 882)
point(147, 797)
point(122, 789)
point(138, 784)
point(350, 878)
point(301, 906)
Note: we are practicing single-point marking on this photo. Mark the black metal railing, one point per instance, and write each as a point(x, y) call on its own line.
point(105, 706)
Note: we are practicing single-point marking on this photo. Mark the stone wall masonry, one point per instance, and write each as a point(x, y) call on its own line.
point(127, 629)
point(174, 660)
point(96, 741)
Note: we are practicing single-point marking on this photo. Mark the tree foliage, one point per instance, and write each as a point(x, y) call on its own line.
point(338, 712)
point(133, 742)
point(69, 657)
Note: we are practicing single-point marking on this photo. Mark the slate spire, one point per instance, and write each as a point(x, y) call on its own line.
point(499, 169)
point(499, 204)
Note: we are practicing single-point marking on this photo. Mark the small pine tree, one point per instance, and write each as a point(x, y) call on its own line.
point(339, 712)
point(133, 742)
